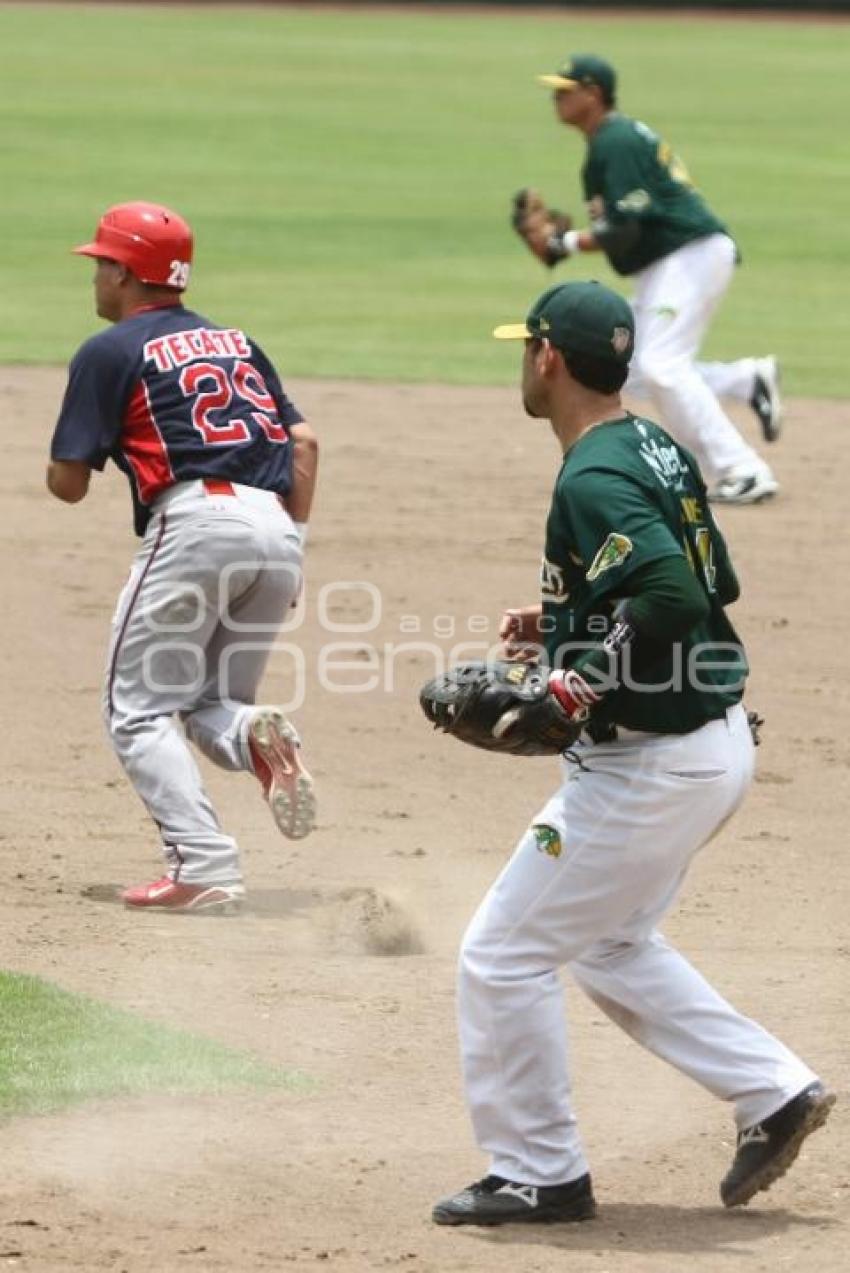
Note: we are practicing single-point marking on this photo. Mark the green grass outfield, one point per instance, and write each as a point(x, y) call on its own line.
point(58, 1048)
point(348, 173)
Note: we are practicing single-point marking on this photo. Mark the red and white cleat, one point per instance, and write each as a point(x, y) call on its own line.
point(170, 895)
point(287, 786)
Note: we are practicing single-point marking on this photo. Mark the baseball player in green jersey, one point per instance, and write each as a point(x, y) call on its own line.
point(652, 225)
point(643, 659)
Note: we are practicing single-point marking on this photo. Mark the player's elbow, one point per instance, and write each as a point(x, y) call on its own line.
point(304, 438)
point(68, 480)
point(697, 611)
point(688, 607)
point(616, 236)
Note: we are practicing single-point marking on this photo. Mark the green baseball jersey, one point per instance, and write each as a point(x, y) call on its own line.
point(631, 174)
point(627, 495)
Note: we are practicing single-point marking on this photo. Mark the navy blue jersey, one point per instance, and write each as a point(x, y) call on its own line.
point(169, 397)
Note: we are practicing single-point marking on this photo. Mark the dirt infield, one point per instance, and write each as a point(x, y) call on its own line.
point(343, 965)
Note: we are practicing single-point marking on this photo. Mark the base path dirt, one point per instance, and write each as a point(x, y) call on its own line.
point(431, 512)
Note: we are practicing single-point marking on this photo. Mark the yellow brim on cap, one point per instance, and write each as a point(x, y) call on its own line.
point(512, 331)
point(556, 81)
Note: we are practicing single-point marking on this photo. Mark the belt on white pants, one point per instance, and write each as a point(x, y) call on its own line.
point(619, 734)
point(216, 488)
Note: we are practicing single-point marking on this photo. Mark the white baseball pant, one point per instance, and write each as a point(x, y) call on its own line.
point(630, 816)
point(673, 303)
point(191, 636)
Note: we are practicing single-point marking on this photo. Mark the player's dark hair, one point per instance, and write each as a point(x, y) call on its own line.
point(608, 98)
point(600, 374)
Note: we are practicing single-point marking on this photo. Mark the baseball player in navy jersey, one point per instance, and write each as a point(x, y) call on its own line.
point(222, 469)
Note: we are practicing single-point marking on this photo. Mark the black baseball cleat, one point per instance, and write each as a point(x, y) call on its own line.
point(766, 1150)
point(747, 486)
point(495, 1200)
point(765, 399)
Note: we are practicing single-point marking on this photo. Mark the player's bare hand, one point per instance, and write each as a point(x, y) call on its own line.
point(519, 632)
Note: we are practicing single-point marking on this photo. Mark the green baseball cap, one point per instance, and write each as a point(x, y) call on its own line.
point(579, 318)
point(583, 69)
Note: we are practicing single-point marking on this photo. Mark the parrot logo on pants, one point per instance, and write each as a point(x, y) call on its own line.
point(548, 840)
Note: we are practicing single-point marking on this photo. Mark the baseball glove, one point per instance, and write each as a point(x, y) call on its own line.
point(500, 706)
point(542, 229)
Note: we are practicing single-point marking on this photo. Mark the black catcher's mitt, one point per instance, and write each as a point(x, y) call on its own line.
point(500, 706)
point(541, 228)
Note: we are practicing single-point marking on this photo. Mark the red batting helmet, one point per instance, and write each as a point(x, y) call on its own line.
point(152, 241)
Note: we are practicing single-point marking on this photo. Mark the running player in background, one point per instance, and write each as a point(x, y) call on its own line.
point(222, 469)
point(652, 225)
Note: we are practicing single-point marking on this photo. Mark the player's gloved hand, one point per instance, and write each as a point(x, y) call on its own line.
point(556, 250)
point(542, 229)
point(519, 708)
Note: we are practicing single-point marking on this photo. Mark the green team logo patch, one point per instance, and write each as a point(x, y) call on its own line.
point(613, 553)
point(548, 840)
point(634, 201)
point(621, 338)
